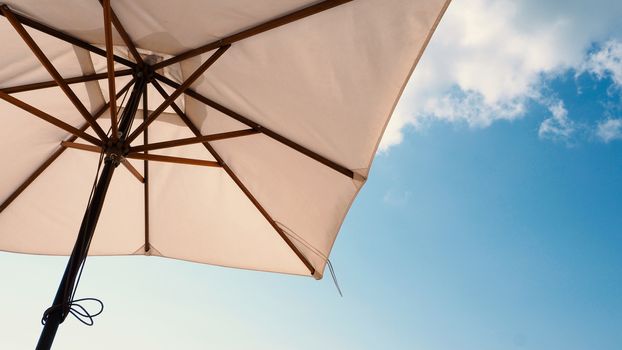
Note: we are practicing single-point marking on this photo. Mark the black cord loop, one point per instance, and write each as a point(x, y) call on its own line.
point(77, 310)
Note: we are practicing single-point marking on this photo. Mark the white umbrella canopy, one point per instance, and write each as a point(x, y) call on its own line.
point(259, 126)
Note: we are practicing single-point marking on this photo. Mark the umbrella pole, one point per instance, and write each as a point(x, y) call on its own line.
point(55, 315)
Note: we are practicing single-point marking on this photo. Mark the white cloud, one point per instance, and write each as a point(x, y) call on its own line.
point(489, 58)
point(558, 127)
point(471, 108)
point(609, 130)
point(606, 62)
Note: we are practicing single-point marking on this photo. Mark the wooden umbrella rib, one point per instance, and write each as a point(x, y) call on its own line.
point(121, 30)
point(81, 146)
point(142, 156)
point(132, 170)
point(48, 118)
point(53, 72)
point(73, 80)
point(65, 37)
point(272, 134)
point(239, 183)
point(54, 156)
point(271, 24)
point(178, 91)
point(193, 140)
point(176, 160)
point(110, 67)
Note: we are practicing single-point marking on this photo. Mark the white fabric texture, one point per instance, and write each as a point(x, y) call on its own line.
point(328, 82)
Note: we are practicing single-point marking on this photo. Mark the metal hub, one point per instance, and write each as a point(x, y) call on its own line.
point(116, 153)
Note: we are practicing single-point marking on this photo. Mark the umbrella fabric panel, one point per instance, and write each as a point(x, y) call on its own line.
point(167, 27)
point(330, 81)
point(22, 154)
point(29, 141)
point(45, 218)
point(209, 120)
point(199, 214)
point(331, 92)
point(307, 199)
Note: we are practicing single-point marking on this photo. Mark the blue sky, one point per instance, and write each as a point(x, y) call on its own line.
point(491, 219)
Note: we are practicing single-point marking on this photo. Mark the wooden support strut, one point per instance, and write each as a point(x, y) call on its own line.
point(142, 156)
point(81, 146)
point(238, 182)
point(74, 80)
point(110, 68)
point(193, 140)
point(126, 163)
point(169, 159)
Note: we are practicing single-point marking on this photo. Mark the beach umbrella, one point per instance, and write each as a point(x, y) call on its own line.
point(233, 133)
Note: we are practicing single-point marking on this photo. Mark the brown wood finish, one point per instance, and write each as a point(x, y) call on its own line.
point(65, 37)
point(126, 163)
point(52, 83)
point(122, 32)
point(178, 91)
point(53, 72)
point(110, 67)
point(272, 134)
point(193, 140)
point(239, 183)
point(48, 118)
point(54, 156)
point(169, 159)
point(81, 146)
point(277, 22)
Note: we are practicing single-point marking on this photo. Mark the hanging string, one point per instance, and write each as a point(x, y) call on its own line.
point(288, 231)
point(332, 273)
